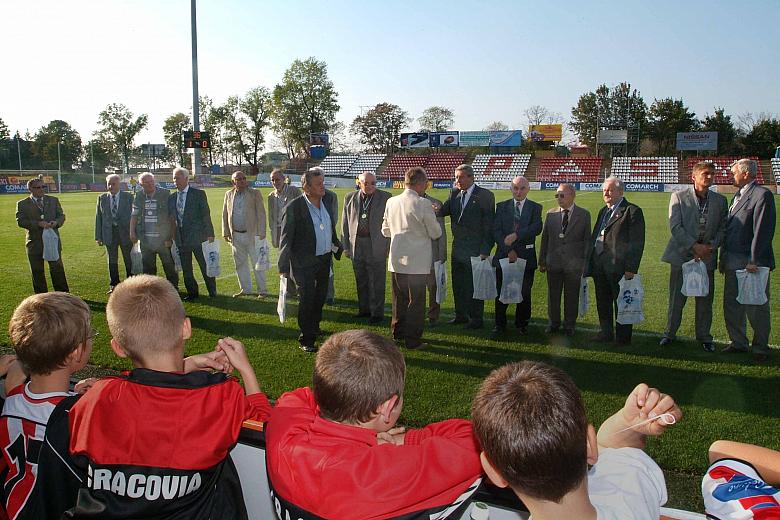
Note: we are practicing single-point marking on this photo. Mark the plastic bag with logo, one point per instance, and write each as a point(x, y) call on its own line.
point(484, 277)
point(176, 256)
point(211, 253)
point(584, 303)
point(263, 254)
point(629, 301)
point(752, 286)
point(136, 259)
point(281, 306)
point(440, 271)
point(51, 245)
point(695, 280)
point(512, 274)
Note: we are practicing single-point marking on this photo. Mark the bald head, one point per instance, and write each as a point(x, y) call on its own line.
point(520, 188)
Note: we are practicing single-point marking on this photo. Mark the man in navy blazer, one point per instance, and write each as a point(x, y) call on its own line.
point(516, 225)
point(750, 229)
point(112, 228)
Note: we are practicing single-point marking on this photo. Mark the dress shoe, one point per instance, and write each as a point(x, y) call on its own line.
point(568, 332)
point(418, 346)
point(760, 359)
point(432, 323)
point(455, 321)
point(708, 346)
point(262, 296)
point(376, 319)
point(665, 342)
point(308, 348)
point(731, 349)
point(622, 342)
point(602, 338)
point(363, 315)
point(497, 333)
point(523, 330)
point(110, 290)
point(551, 329)
point(240, 293)
point(213, 294)
point(190, 297)
point(473, 325)
point(330, 301)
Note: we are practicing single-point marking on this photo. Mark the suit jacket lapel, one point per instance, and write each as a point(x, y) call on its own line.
point(742, 201)
point(617, 214)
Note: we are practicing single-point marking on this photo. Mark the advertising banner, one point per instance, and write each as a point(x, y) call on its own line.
point(506, 138)
point(644, 186)
point(318, 139)
point(444, 139)
point(613, 136)
point(697, 140)
point(475, 138)
point(262, 184)
point(442, 185)
point(545, 132)
point(414, 140)
point(13, 188)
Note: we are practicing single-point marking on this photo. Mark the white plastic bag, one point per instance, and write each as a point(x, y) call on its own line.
point(440, 271)
point(695, 280)
point(176, 256)
point(281, 306)
point(51, 245)
point(263, 254)
point(211, 253)
point(752, 286)
point(136, 259)
point(584, 303)
point(629, 301)
point(484, 277)
point(512, 280)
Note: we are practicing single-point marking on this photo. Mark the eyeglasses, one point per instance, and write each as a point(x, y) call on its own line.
point(36, 187)
point(370, 183)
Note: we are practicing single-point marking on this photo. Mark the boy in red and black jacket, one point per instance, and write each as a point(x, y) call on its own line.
point(153, 443)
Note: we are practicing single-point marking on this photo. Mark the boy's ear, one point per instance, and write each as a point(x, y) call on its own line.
point(186, 329)
point(593, 445)
point(386, 409)
point(492, 473)
point(79, 353)
point(118, 349)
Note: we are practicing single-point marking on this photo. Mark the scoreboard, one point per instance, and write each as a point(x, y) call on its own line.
point(194, 139)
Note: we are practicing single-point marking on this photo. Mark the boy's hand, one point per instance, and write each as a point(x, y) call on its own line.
point(6, 360)
point(236, 354)
point(214, 360)
point(14, 373)
point(85, 384)
point(648, 403)
point(395, 436)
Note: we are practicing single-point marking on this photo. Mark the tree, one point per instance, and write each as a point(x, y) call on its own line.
point(245, 121)
point(615, 108)
point(304, 103)
point(380, 128)
point(727, 134)
point(4, 133)
point(5, 145)
point(763, 138)
point(173, 128)
point(667, 117)
point(497, 126)
point(118, 129)
point(436, 119)
point(539, 115)
point(45, 150)
point(212, 120)
point(100, 152)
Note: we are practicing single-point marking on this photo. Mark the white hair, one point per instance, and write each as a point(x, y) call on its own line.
point(180, 169)
point(748, 166)
point(112, 176)
point(145, 175)
point(612, 179)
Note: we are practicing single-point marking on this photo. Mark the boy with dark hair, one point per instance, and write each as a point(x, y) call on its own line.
point(51, 335)
point(333, 450)
point(531, 423)
point(154, 442)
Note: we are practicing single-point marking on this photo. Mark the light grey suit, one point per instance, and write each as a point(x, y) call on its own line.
point(368, 253)
point(276, 207)
point(684, 215)
point(564, 261)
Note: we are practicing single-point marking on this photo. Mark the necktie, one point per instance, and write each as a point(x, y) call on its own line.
point(39, 203)
point(462, 197)
point(565, 221)
point(114, 206)
point(518, 210)
point(599, 245)
point(180, 207)
point(735, 201)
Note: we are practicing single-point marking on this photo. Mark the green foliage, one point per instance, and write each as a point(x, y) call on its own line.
point(44, 146)
point(615, 108)
point(380, 128)
point(764, 138)
point(212, 120)
point(728, 137)
point(4, 133)
point(667, 117)
point(174, 126)
point(436, 119)
point(118, 128)
point(305, 102)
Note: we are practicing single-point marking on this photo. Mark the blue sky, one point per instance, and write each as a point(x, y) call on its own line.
point(485, 60)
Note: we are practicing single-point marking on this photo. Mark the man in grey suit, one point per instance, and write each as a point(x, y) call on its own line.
point(278, 199)
point(331, 200)
point(439, 246)
point(562, 257)
point(363, 242)
point(750, 228)
point(471, 210)
point(112, 228)
point(697, 219)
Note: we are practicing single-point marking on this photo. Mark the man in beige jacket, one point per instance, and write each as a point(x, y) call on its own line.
point(411, 224)
point(243, 222)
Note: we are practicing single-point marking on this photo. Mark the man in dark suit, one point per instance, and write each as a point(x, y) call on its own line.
point(331, 200)
point(308, 242)
point(616, 248)
point(36, 213)
point(750, 229)
point(562, 257)
point(361, 236)
point(439, 246)
point(189, 209)
point(151, 224)
point(471, 210)
point(112, 228)
point(517, 223)
point(697, 220)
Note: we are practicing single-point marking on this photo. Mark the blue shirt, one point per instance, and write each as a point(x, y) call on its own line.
point(322, 227)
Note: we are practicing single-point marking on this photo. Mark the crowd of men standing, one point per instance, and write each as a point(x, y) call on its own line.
point(405, 235)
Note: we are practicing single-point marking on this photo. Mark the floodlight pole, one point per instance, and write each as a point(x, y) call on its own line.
point(92, 156)
point(19, 150)
point(195, 97)
point(59, 168)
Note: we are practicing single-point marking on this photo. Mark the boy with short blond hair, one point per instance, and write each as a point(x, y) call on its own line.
point(530, 420)
point(156, 440)
point(52, 337)
point(333, 450)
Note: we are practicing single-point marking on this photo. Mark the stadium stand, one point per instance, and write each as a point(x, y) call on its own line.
point(366, 163)
point(505, 167)
point(569, 169)
point(337, 165)
point(646, 169)
point(441, 166)
point(776, 170)
point(722, 168)
point(400, 163)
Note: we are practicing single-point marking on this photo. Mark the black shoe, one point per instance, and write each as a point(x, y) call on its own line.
point(474, 325)
point(708, 346)
point(213, 294)
point(497, 333)
point(307, 348)
point(363, 315)
point(376, 319)
point(568, 332)
point(523, 330)
point(731, 349)
point(330, 301)
point(455, 321)
point(667, 341)
point(602, 338)
point(622, 342)
point(190, 297)
point(550, 329)
point(418, 346)
point(432, 323)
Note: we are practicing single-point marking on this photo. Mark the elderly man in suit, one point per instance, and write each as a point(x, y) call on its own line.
point(278, 199)
point(243, 222)
point(697, 220)
point(616, 248)
point(517, 223)
point(750, 229)
point(410, 223)
point(307, 244)
point(562, 257)
point(189, 208)
point(36, 213)
point(361, 237)
point(331, 200)
point(471, 210)
point(151, 223)
point(112, 228)
point(439, 246)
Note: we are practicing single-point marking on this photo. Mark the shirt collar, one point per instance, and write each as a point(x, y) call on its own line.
point(618, 203)
point(185, 190)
